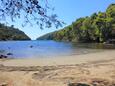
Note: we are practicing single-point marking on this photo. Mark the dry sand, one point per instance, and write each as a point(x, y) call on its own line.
point(95, 69)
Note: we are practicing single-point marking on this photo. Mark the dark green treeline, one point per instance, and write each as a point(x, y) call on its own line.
point(11, 33)
point(99, 27)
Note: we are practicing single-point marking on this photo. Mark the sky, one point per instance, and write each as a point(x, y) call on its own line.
point(68, 11)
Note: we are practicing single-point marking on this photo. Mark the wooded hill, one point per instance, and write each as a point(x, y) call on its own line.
point(99, 27)
point(11, 33)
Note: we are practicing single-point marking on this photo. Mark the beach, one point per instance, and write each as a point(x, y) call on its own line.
point(57, 43)
point(93, 69)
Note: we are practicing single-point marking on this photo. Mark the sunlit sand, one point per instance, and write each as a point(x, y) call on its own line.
point(87, 68)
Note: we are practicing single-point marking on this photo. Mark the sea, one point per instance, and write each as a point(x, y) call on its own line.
point(49, 48)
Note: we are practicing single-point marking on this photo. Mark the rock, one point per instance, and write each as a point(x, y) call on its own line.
point(9, 53)
point(2, 56)
point(78, 84)
point(31, 46)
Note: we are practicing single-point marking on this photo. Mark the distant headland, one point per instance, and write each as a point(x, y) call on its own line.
point(11, 33)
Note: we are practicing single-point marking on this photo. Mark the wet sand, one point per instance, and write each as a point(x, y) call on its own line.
point(94, 68)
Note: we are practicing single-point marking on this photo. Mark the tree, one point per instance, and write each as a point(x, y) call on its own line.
point(36, 10)
point(99, 27)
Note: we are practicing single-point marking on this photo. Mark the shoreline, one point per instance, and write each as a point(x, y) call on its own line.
point(89, 69)
point(63, 60)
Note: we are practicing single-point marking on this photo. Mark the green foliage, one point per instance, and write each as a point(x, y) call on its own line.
point(11, 33)
point(99, 27)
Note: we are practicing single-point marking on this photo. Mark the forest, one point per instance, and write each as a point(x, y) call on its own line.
point(11, 33)
point(99, 28)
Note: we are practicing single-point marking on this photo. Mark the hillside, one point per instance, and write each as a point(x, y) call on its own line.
point(11, 33)
point(48, 36)
point(99, 27)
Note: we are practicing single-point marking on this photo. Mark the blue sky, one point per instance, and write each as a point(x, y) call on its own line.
point(68, 11)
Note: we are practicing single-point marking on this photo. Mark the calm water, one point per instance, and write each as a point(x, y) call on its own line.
point(49, 49)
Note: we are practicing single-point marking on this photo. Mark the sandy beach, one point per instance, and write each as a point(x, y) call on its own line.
point(93, 69)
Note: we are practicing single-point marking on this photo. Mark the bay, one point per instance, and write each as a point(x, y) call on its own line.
point(49, 49)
